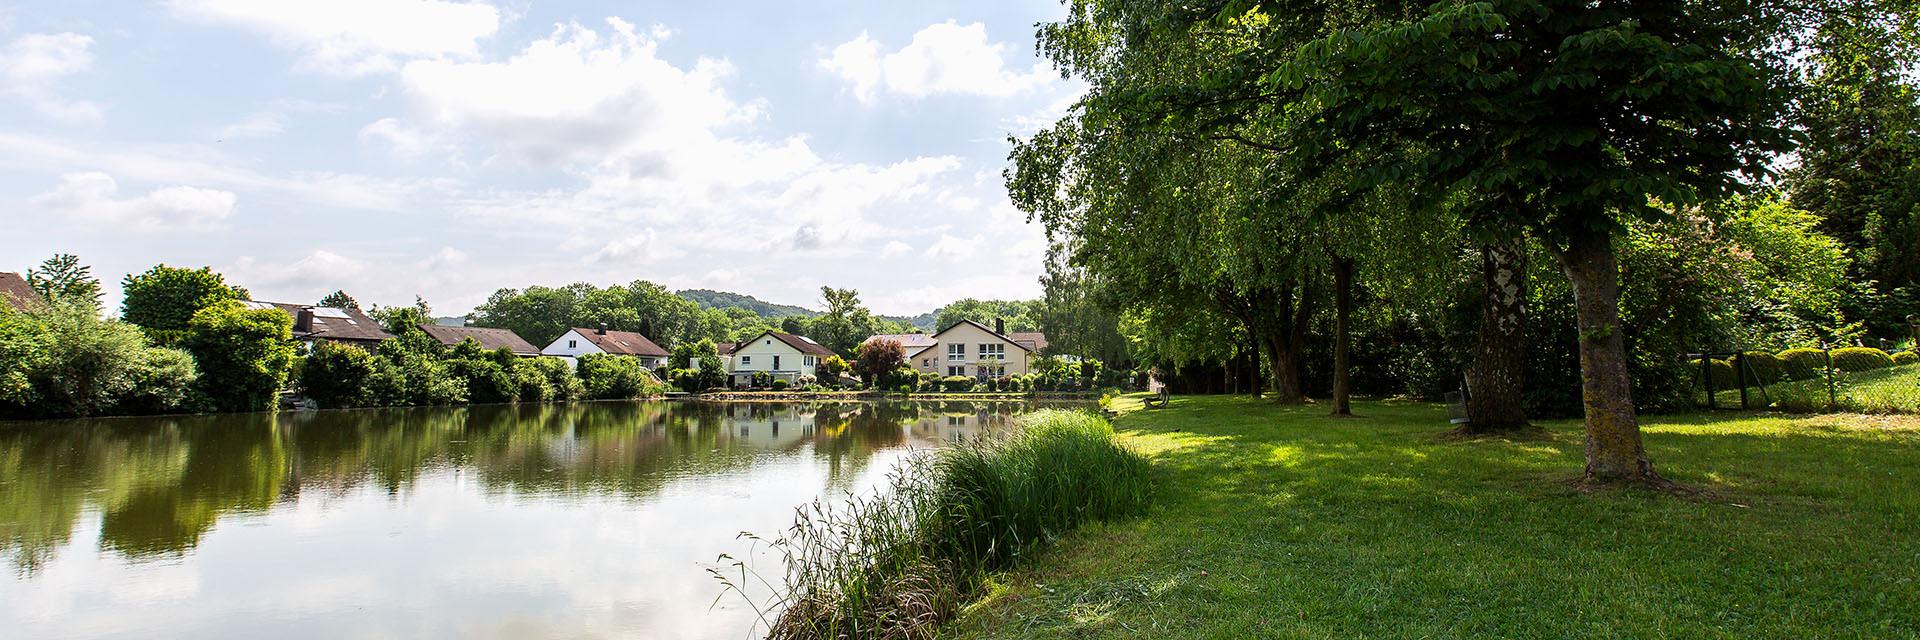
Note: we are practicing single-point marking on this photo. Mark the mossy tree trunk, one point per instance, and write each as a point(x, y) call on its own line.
point(1342, 340)
point(1615, 454)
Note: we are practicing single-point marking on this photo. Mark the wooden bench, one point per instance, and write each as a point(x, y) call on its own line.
point(1158, 400)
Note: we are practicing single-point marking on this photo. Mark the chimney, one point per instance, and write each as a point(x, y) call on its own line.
point(603, 329)
point(303, 321)
point(1000, 326)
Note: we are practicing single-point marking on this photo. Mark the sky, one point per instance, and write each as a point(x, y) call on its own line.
point(394, 148)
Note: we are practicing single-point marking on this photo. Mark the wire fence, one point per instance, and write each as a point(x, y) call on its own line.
point(1864, 379)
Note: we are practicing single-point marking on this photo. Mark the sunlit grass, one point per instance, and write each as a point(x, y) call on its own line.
point(1273, 522)
point(1890, 390)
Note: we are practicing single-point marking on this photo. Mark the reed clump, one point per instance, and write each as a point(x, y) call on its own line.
point(898, 563)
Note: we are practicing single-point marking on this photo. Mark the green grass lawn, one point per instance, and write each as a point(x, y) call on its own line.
point(1278, 522)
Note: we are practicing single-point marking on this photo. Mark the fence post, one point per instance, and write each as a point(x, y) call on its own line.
point(1740, 376)
point(1706, 375)
point(1832, 398)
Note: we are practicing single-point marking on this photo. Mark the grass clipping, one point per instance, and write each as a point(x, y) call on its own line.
point(902, 561)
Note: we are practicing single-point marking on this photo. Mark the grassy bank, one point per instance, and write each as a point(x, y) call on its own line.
point(1276, 522)
point(900, 563)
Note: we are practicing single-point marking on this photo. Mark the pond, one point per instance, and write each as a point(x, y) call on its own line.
point(539, 521)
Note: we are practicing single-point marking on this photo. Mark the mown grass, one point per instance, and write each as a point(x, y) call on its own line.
point(1273, 522)
point(1890, 390)
point(899, 563)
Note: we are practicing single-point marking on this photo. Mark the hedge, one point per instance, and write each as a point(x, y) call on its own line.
point(1803, 363)
point(1853, 359)
point(1906, 357)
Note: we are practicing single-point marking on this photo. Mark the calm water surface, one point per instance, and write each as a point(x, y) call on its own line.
point(557, 521)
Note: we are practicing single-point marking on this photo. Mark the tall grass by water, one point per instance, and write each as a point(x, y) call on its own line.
point(898, 563)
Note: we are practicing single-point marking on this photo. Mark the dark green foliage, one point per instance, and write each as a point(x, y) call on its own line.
point(1803, 363)
point(61, 279)
point(63, 360)
point(245, 355)
point(164, 299)
point(487, 375)
point(721, 300)
point(1856, 359)
point(410, 373)
point(403, 320)
point(779, 385)
point(338, 376)
point(339, 300)
point(1906, 357)
point(159, 380)
point(1764, 367)
point(561, 382)
point(610, 377)
point(956, 384)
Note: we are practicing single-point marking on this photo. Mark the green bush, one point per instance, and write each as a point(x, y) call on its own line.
point(610, 377)
point(70, 362)
point(1906, 357)
point(1803, 363)
point(245, 355)
point(956, 384)
point(1763, 367)
point(562, 382)
point(779, 385)
point(337, 375)
point(1853, 359)
point(531, 383)
point(409, 373)
point(160, 380)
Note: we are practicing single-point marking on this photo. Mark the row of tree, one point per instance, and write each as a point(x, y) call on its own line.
point(1246, 183)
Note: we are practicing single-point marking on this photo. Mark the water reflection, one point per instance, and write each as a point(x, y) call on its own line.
point(114, 498)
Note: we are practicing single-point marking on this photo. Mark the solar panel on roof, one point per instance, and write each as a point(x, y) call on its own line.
point(256, 306)
point(330, 312)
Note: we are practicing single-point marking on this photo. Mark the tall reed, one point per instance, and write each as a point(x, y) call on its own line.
point(898, 563)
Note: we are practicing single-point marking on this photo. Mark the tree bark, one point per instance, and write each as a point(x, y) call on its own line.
point(1342, 306)
point(1290, 314)
point(1495, 379)
point(1615, 453)
point(1252, 352)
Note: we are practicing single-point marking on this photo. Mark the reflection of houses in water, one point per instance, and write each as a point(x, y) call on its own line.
point(959, 426)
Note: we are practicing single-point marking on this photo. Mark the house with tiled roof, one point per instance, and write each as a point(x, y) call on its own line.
point(488, 337)
point(783, 356)
point(332, 324)
point(16, 294)
point(577, 342)
point(968, 348)
point(912, 342)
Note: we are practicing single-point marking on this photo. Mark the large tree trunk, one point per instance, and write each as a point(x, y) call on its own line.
point(1252, 352)
point(1494, 380)
point(1289, 315)
point(1342, 306)
point(1615, 454)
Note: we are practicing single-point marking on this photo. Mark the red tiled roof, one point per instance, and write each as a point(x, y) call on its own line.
point(910, 341)
point(15, 292)
point(625, 343)
point(726, 348)
point(1032, 339)
point(489, 338)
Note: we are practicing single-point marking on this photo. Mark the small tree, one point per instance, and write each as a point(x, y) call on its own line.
point(403, 320)
point(62, 279)
point(878, 358)
point(339, 300)
point(337, 375)
point(830, 368)
point(244, 355)
point(164, 299)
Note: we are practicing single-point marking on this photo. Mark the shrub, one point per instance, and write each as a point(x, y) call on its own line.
point(164, 299)
point(1906, 357)
point(1852, 359)
point(409, 373)
point(245, 355)
point(779, 385)
point(762, 379)
point(565, 384)
point(71, 363)
point(956, 384)
point(1803, 363)
point(337, 375)
point(159, 380)
point(1764, 367)
point(530, 380)
point(610, 377)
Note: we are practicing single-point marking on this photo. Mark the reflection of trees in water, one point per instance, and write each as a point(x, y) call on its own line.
point(161, 483)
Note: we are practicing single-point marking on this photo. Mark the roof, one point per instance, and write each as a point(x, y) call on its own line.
point(1026, 345)
point(1034, 340)
point(622, 343)
point(725, 348)
point(15, 292)
point(488, 337)
point(801, 343)
point(330, 323)
point(910, 341)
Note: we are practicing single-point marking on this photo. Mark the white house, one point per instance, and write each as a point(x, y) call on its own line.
point(782, 355)
point(971, 349)
point(577, 342)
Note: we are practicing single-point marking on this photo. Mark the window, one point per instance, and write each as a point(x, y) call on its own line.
point(746, 359)
point(956, 352)
point(993, 351)
point(809, 361)
point(956, 371)
point(573, 344)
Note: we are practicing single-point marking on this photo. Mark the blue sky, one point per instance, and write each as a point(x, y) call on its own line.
point(400, 147)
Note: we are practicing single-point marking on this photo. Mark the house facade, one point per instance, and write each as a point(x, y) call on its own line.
point(577, 342)
point(974, 350)
point(783, 356)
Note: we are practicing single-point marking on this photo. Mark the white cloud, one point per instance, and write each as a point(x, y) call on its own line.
point(265, 124)
point(404, 140)
point(317, 271)
point(949, 247)
point(895, 248)
point(32, 66)
point(446, 257)
point(356, 36)
point(644, 247)
point(577, 96)
point(943, 58)
point(91, 196)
